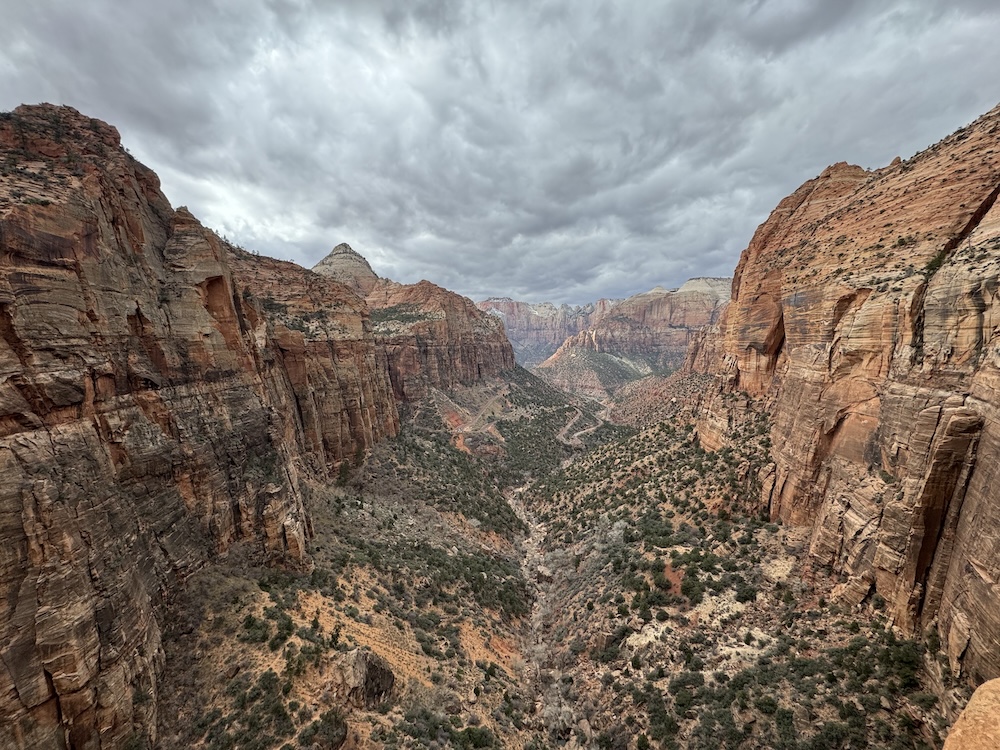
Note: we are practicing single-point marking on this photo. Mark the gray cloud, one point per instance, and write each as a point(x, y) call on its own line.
point(546, 150)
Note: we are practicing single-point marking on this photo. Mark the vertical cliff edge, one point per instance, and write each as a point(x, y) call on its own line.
point(161, 397)
point(865, 313)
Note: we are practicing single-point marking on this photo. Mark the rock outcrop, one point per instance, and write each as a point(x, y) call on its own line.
point(537, 330)
point(978, 727)
point(431, 337)
point(865, 311)
point(157, 405)
point(349, 268)
point(359, 678)
point(644, 334)
point(434, 338)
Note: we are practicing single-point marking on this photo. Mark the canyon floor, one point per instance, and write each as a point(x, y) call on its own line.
point(517, 571)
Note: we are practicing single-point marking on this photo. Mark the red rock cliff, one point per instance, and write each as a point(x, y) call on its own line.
point(865, 311)
point(656, 326)
point(430, 337)
point(538, 330)
point(436, 338)
point(153, 411)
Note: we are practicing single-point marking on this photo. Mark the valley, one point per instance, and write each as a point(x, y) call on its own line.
point(617, 594)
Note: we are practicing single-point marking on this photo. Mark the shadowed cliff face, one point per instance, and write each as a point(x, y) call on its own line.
point(158, 403)
point(865, 312)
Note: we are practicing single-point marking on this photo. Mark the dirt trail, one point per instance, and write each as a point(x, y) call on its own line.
point(474, 422)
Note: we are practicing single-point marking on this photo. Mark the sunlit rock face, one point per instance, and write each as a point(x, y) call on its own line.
point(865, 312)
point(978, 726)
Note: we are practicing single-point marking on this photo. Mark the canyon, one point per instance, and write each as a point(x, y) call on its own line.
point(164, 397)
point(653, 326)
point(244, 501)
point(642, 335)
point(864, 315)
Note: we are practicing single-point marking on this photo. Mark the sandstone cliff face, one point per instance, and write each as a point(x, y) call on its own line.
point(978, 728)
point(641, 335)
point(536, 331)
point(435, 338)
point(323, 353)
point(151, 415)
point(430, 337)
point(865, 311)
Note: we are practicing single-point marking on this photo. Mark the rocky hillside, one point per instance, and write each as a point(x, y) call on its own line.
point(865, 315)
point(153, 413)
point(431, 337)
point(536, 330)
point(645, 334)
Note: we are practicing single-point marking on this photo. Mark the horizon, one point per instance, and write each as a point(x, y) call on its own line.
point(566, 153)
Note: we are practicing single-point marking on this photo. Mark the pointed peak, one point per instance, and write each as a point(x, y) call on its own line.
point(349, 267)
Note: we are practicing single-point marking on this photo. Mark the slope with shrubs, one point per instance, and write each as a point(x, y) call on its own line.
point(673, 620)
point(416, 556)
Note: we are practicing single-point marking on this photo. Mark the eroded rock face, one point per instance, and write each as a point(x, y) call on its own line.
point(153, 412)
point(436, 338)
point(657, 325)
point(431, 337)
point(359, 679)
point(537, 330)
point(644, 334)
point(865, 310)
point(349, 268)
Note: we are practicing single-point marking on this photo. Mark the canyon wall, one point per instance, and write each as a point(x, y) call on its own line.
point(656, 326)
point(160, 397)
point(431, 337)
point(865, 312)
point(537, 330)
point(644, 334)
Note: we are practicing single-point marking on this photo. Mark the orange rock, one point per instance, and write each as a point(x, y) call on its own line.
point(865, 314)
point(431, 337)
point(644, 334)
point(978, 727)
point(153, 411)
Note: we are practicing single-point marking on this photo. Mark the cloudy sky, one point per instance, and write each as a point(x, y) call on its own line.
point(557, 150)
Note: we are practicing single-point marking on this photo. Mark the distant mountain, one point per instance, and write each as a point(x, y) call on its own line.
point(536, 330)
point(628, 339)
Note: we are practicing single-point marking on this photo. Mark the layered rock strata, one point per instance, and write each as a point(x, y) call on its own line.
point(644, 334)
point(153, 412)
point(656, 326)
point(431, 337)
point(348, 267)
point(865, 311)
point(537, 330)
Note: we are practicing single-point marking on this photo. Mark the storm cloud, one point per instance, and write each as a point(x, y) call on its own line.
point(562, 150)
